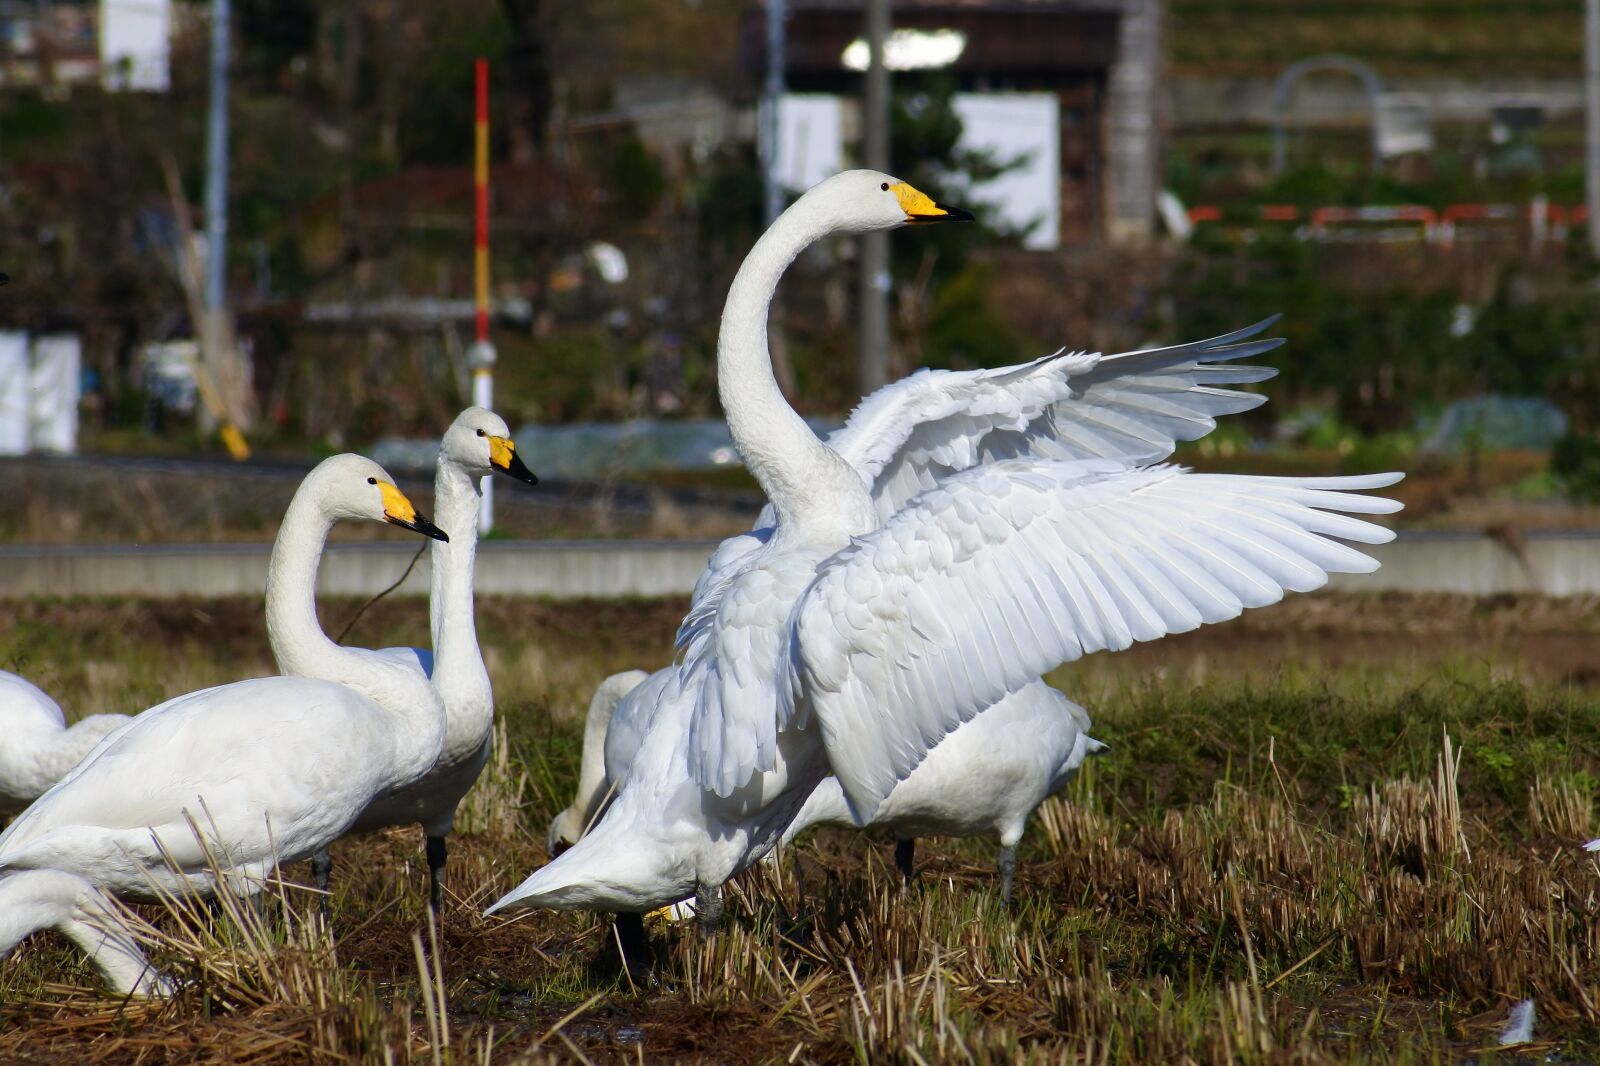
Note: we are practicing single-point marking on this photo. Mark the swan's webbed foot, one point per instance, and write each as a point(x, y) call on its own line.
point(708, 908)
point(905, 858)
point(437, 853)
point(1008, 871)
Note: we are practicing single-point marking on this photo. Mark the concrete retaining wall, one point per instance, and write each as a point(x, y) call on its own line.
point(557, 569)
point(1562, 563)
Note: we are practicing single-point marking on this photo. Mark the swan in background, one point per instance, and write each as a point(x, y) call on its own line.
point(593, 777)
point(50, 899)
point(987, 776)
point(477, 444)
point(39, 748)
point(860, 627)
point(251, 774)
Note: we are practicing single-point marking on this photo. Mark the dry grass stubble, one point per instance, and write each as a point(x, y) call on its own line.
point(1319, 868)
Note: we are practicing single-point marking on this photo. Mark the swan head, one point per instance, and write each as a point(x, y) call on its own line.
point(862, 201)
point(479, 442)
point(355, 487)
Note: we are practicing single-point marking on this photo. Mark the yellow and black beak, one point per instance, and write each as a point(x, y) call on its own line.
point(503, 457)
point(397, 510)
point(922, 210)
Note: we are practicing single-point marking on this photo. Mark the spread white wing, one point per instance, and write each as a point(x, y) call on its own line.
point(1136, 407)
point(1001, 573)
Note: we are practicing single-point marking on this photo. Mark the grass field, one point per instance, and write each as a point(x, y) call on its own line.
point(1343, 829)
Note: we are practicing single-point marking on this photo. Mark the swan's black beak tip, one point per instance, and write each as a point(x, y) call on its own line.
point(516, 468)
point(420, 524)
point(940, 213)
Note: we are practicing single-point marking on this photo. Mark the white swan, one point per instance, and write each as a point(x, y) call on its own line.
point(253, 773)
point(39, 748)
point(985, 777)
point(477, 444)
point(31, 900)
point(843, 639)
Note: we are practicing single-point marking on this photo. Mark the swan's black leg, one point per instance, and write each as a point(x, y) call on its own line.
point(905, 855)
point(437, 853)
point(799, 878)
point(1008, 871)
point(322, 869)
point(322, 874)
point(708, 908)
point(634, 944)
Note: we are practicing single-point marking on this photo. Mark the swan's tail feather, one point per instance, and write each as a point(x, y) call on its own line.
point(34, 900)
point(612, 867)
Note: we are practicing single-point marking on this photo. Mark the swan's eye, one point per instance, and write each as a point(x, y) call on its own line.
point(480, 433)
point(884, 186)
point(372, 481)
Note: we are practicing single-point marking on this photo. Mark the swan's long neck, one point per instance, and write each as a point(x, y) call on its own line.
point(794, 468)
point(304, 650)
point(458, 670)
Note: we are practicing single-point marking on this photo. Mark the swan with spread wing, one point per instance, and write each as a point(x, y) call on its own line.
point(888, 600)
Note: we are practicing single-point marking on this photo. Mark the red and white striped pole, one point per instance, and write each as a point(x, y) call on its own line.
point(482, 356)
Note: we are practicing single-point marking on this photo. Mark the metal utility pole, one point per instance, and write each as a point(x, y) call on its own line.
point(217, 162)
point(772, 95)
point(874, 342)
point(212, 328)
point(1591, 115)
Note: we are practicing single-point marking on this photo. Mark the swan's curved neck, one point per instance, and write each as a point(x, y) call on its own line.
point(794, 468)
point(298, 642)
point(458, 670)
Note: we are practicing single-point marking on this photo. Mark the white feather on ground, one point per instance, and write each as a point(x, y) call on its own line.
point(1519, 1027)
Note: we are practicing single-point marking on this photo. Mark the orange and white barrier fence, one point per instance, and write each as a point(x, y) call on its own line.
point(1540, 219)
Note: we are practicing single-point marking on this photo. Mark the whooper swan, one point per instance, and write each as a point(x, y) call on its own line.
point(850, 642)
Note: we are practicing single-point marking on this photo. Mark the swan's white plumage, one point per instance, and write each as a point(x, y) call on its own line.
point(39, 747)
point(986, 777)
point(266, 768)
point(1135, 407)
point(1004, 571)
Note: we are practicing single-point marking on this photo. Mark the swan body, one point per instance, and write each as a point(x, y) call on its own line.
point(39, 748)
point(477, 444)
point(1011, 524)
point(984, 778)
point(257, 772)
point(31, 900)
